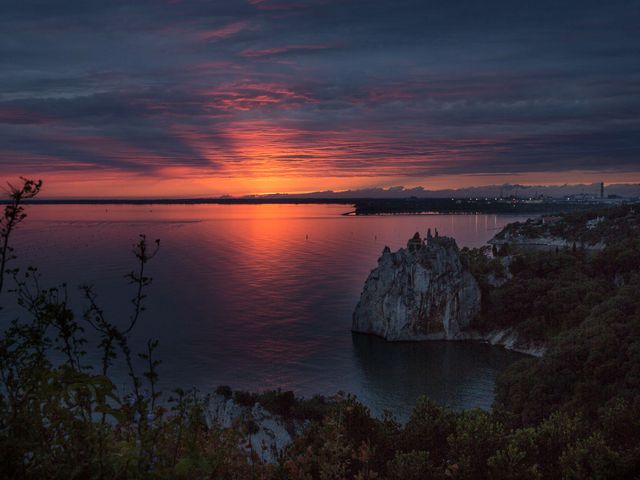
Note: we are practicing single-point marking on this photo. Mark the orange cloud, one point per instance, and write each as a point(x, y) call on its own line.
point(246, 96)
point(266, 52)
point(225, 31)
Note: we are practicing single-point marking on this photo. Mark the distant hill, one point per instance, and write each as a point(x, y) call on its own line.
point(627, 190)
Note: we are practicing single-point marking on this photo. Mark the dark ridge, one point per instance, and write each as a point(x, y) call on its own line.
point(449, 205)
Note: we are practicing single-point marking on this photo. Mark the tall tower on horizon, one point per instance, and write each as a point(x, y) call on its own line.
point(601, 189)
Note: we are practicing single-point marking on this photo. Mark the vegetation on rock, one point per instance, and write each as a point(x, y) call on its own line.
point(599, 225)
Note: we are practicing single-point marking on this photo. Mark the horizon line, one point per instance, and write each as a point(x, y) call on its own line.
point(338, 196)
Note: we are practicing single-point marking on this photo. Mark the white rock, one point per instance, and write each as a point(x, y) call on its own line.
point(418, 293)
point(270, 435)
point(507, 338)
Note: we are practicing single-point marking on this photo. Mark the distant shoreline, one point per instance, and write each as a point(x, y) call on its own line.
point(191, 201)
point(367, 206)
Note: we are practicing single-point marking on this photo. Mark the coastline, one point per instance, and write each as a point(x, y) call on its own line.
point(505, 338)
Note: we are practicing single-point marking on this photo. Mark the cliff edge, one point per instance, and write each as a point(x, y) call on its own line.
point(421, 292)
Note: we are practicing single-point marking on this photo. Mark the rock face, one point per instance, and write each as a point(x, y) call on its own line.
point(268, 434)
point(419, 293)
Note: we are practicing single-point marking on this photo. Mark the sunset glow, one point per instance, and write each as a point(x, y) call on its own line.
point(188, 98)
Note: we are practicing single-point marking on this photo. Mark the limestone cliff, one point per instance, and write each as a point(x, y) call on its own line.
point(419, 293)
point(268, 434)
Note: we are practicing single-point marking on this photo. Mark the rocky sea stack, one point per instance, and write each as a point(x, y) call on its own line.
point(421, 292)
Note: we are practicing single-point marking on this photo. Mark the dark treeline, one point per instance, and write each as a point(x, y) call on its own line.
point(463, 205)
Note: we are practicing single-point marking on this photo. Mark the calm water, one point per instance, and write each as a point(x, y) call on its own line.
point(261, 296)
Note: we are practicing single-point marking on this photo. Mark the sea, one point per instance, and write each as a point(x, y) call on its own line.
point(258, 297)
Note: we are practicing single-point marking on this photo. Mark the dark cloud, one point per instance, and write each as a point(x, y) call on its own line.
point(347, 87)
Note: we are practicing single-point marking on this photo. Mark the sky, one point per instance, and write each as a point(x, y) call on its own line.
point(170, 98)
